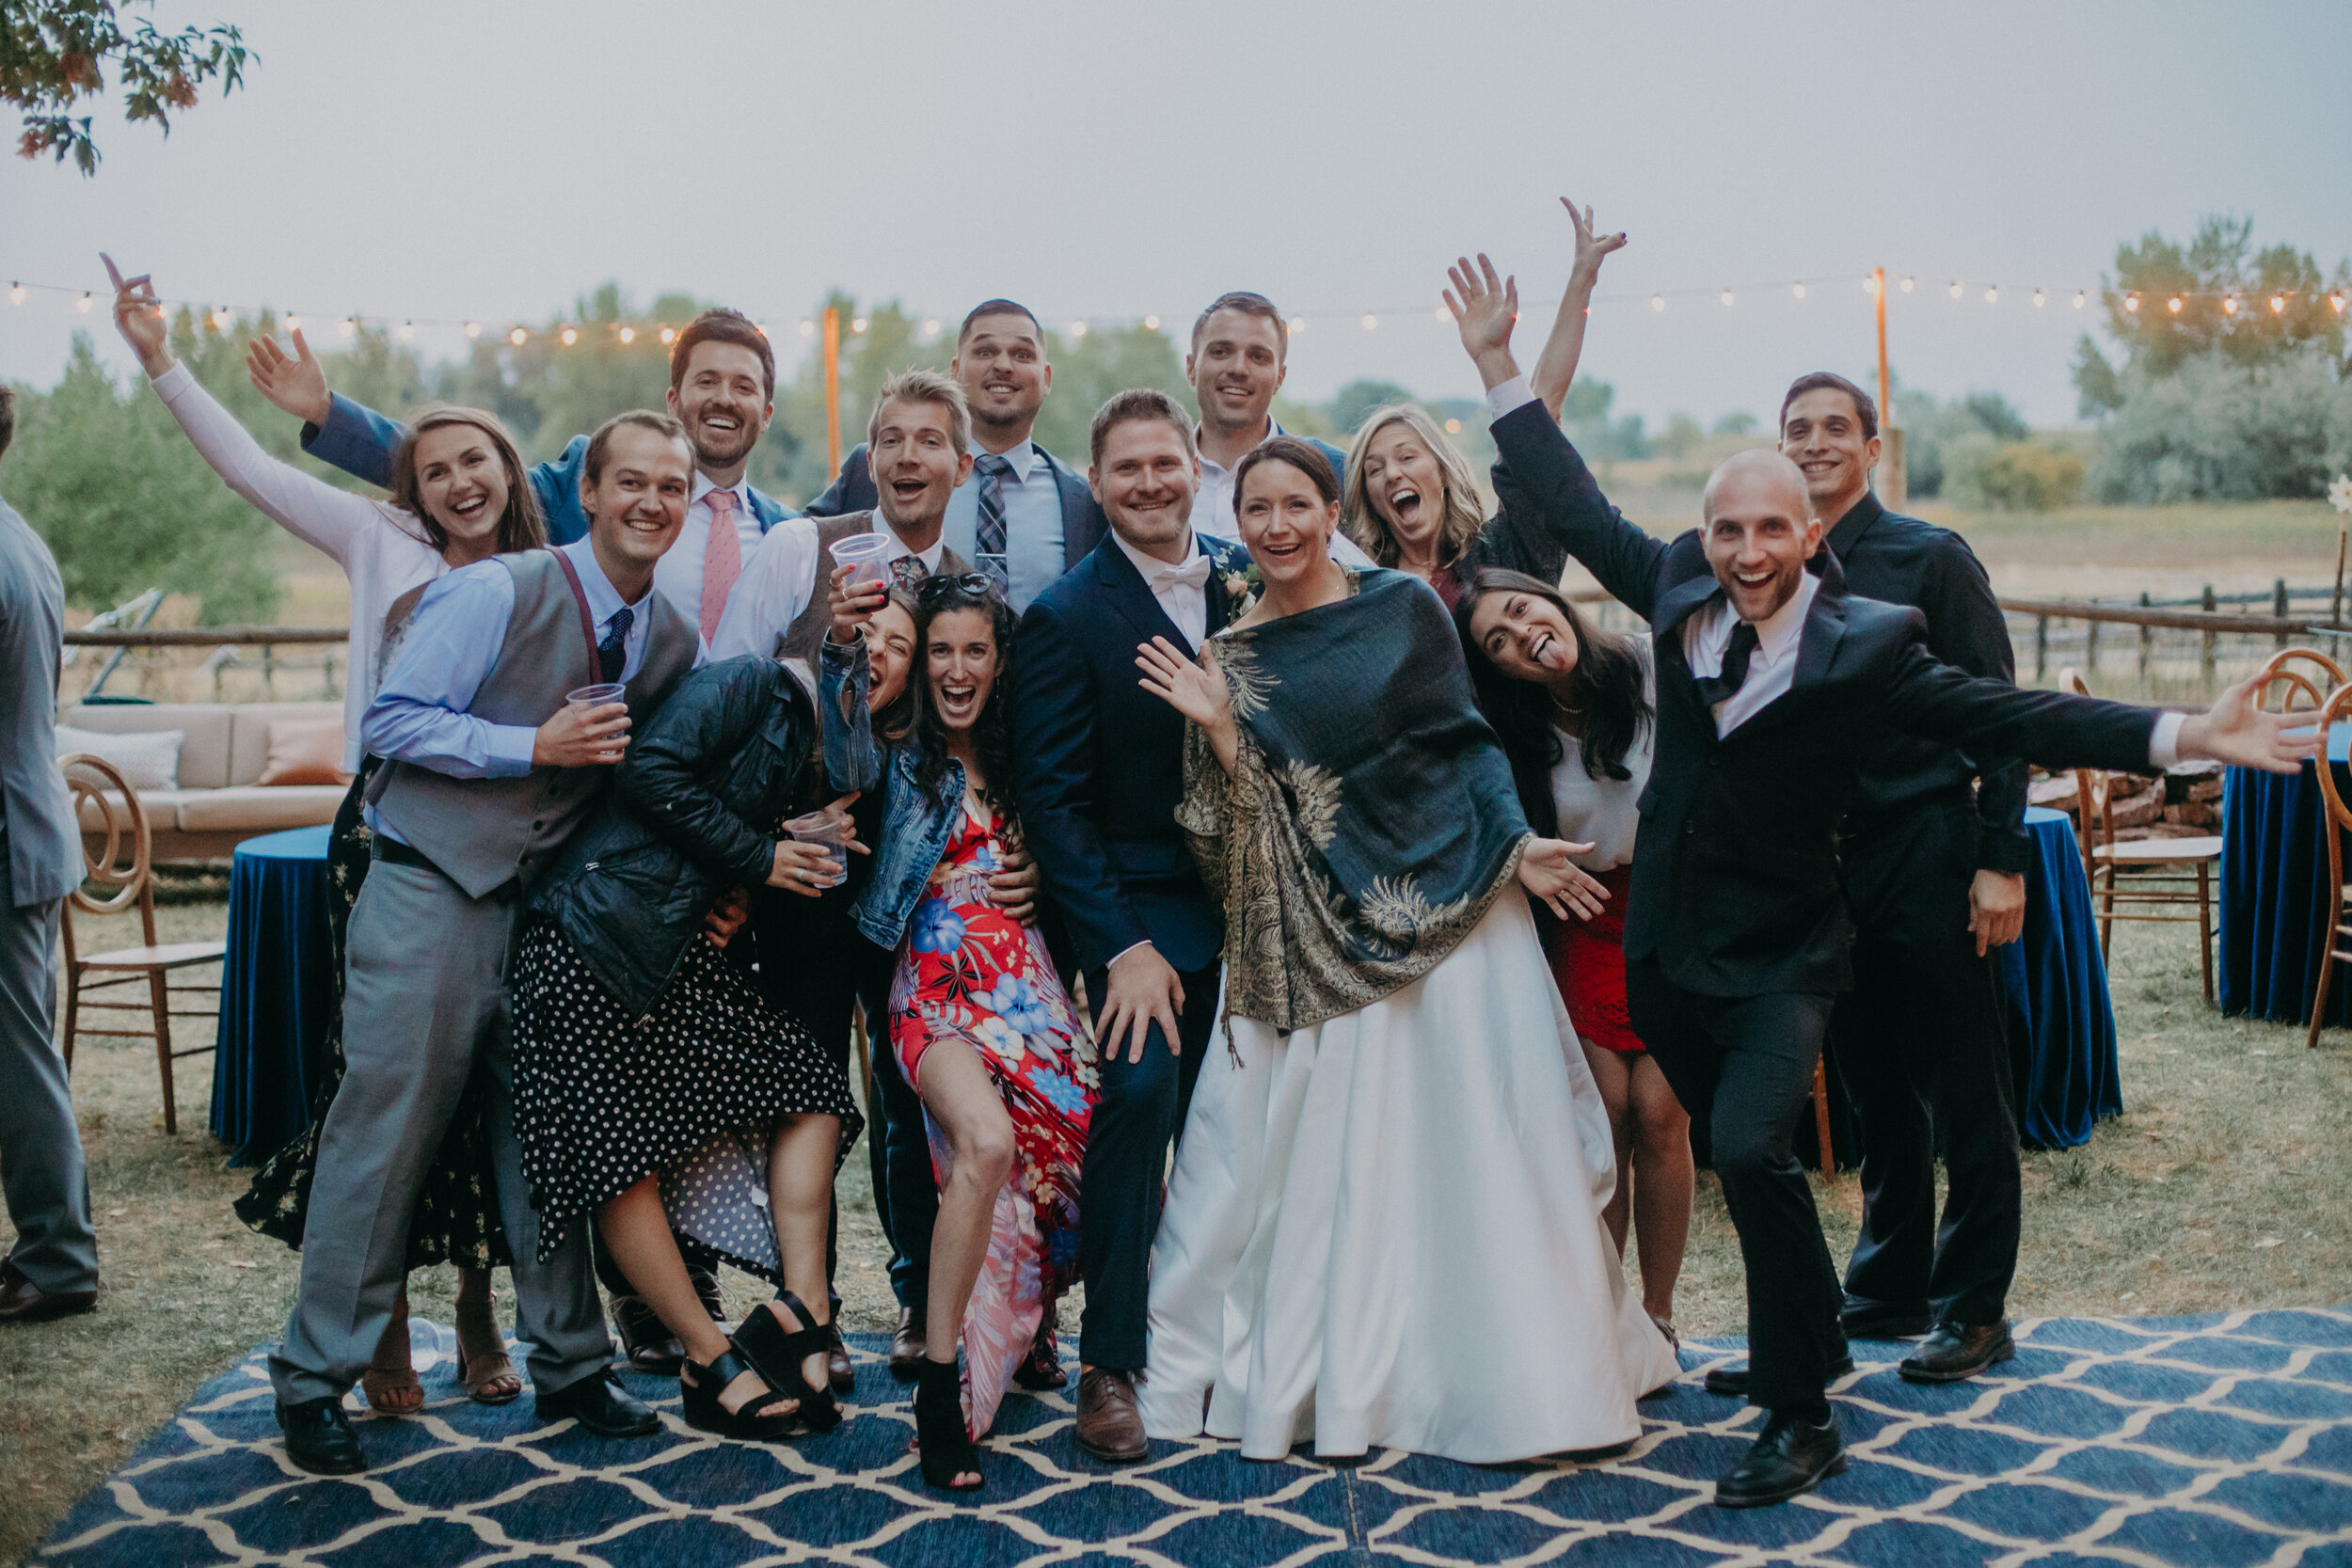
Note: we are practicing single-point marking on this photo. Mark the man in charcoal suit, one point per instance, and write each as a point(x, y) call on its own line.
point(52, 1270)
point(1775, 687)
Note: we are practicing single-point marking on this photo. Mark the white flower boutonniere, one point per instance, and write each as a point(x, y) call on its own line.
point(1242, 584)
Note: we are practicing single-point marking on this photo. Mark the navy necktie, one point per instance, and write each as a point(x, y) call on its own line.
point(990, 533)
point(1718, 689)
point(612, 653)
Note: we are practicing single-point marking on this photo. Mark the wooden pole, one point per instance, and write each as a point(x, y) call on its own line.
point(2335, 600)
point(833, 389)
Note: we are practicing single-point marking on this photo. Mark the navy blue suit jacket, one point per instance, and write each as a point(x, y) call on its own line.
point(361, 441)
point(1081, 521)
point(1099, 762)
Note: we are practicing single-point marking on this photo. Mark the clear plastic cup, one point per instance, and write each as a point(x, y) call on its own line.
point(828, 828)
point(866, 555)
point(597, 695)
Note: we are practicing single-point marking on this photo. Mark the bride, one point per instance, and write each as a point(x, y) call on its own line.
point(1384, 1227)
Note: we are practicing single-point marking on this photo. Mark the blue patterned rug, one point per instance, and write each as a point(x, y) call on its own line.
point(2222, 1441)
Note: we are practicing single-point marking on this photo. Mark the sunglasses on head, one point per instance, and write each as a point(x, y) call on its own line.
point(940, 587)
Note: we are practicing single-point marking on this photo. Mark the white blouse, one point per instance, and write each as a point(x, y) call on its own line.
point(1603, 812)
point(381, 547)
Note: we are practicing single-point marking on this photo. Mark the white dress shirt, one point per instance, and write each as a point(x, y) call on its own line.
point(1034, 556)
point(1181, 588)
point(929, 558)
point(1213, 507)
point(1771, 669)
point(679, 575)
point(779, 580)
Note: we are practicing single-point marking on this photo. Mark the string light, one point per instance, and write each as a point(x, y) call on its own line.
point(349, 326)
point(1907, 284)
point(518, 336)
point(2038, 300)
point(2278, 305)
point(1371, 321)
point(808, 329)
point(1657, 302)
point(2131, 303)
point(1150, 324)
point(408, 330)
point(1726, 299)
point(629, 335)
point(570, 335)
point(669, 334)
point(2228, 305)
point(1993, 294)
point(858, 324)
point(2335, 302)
point(1870, 285)
point(2173, 304)
point(930, 327)
point(1441, 314)
point(2078, 299)
point(294, 322)
point(220, 320)
point(1077, 329)
point(1956, 290)
point(84, 303)
point(1798, 290)
point(1297, 326)
point(473, 329)
point(16, 294)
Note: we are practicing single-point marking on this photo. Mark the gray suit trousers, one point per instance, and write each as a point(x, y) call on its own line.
point(424, 999)
point(41, 1148)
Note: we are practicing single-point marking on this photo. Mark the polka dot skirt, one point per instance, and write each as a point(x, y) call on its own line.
point(694, 1091)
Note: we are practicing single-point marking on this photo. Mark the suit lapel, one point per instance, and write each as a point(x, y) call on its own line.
point(1132, 597)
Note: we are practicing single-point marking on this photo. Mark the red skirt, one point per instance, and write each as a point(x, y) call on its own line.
point(1588, 961)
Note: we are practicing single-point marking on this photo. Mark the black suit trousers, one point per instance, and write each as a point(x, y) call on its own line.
point(1746, 1064)
point(1137, 1117)
point(1920, 1044)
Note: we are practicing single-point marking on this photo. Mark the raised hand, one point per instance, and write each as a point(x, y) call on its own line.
point(1195, 690)
point(2235, 732)
point(1591, 248)
point(851, 607)
point(1486, 306)
point(296, 385)
point(1546, 871)
point(139, 317)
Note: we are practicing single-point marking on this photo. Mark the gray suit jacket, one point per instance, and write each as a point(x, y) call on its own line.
point(39, 850)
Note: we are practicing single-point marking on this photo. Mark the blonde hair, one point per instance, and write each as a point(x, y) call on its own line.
point(924, 386)
point(1463, 517)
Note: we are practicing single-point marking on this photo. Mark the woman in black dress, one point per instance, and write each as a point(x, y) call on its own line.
point(654, 1088)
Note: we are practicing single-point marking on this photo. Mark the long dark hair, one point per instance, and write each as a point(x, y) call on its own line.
point(894, 720)
point(1608, 695)
point(992, 736)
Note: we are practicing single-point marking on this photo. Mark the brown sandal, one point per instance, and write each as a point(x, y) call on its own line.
point(391, 1381)
point(484, 1368)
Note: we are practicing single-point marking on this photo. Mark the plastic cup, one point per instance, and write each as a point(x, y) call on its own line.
point(866, 555)
point(828, 828)
point(597, 695)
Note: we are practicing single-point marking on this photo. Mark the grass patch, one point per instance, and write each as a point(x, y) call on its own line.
point(2223, 1185)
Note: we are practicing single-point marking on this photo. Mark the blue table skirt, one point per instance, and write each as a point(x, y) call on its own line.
point(2274, 891)
point(2054, 988)
point(276, 993)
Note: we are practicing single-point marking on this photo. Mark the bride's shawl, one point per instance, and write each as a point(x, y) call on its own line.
point(1371, 817)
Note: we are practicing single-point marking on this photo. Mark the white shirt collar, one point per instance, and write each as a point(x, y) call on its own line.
point(1023, 459)
point(928, 558)
point(1148, 564)
point(741, 487)
point(1209, 465)
point(603, 598)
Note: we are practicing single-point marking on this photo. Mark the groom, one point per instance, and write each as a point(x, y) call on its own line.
point(1100, 769)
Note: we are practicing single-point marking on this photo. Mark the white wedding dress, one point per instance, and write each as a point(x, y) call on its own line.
point(1385, 1230)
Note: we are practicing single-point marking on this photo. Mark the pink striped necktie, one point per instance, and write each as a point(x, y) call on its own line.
point(723, 560)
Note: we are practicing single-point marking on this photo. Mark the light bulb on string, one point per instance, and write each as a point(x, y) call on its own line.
point(2335, 302)
point(570, 335)
point(1150, 324)
point(473, 329)
point(1657, 302)
point(518, 336)
point(1957, 290)
point(1371, 321)
point(2228, 305)
point(349, 326)
point(84, 303)
point(930, 327)
point(1441, 314)
point(1078, 329)
point(808, 329)
point(220, 320)
point(1993, 294)
point(1298, 325)
point(1907, 284)
point(294, 322)
point(2278, 305)
point(857, 324)
point(2131, 303)
point(2038, 300)
point(2173, 304)
point(2078, 299)
point(1870, 285)
point(1726, 299)
point(16, 294)
point(668, 334)
point(1797, 291)
point(408, 331)
point(627, 335)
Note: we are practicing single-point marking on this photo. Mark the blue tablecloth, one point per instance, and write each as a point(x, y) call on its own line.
point(2054, 986)
point(2274, 891)
point(277, 993)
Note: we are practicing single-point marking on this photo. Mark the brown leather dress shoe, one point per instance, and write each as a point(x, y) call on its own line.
point(907, 1346)
point(838, 1369)
point(1110, 1426)
point(24, 1302)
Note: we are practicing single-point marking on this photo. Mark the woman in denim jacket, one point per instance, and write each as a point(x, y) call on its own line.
point(979, 1023)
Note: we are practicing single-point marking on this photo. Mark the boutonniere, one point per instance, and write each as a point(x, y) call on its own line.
point(1242, 583)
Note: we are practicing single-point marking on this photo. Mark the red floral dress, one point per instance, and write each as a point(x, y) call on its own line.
point(969, 972)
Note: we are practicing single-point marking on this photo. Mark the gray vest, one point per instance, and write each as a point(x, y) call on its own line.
point(799, 640)
point(484, 832)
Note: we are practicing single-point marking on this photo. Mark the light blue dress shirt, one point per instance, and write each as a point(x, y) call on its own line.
point(1033, 542)
point(419, 713)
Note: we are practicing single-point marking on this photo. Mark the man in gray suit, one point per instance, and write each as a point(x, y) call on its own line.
point(52, 1269)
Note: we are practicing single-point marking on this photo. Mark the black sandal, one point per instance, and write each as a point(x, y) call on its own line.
point(776, 1353)
point(701, 1387)
point(1041, 1368)
point(941, 1440)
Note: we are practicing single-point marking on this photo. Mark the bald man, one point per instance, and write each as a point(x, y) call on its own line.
point(1774, 688)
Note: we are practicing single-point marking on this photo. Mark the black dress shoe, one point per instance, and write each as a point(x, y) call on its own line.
point(1791, 1456)
point(1732, 1382)
point(840, 1370)
point(601, 1405)
point(1865, 1318)
point(646, 1344)
point(1954, 1353)
point(319, 1437)
point(24, 1302)
point(907, 1345)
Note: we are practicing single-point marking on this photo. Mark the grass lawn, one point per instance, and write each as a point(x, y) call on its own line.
point(2222, 1185)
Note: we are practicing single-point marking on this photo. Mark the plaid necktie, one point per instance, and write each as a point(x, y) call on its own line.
point(993, 468)
point(612, 653)
point(1718, 689)
point(908, 572)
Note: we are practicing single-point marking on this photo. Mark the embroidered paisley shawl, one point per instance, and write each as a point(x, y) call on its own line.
point(1370, 819)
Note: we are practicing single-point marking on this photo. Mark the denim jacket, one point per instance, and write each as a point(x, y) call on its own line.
point(917, 822)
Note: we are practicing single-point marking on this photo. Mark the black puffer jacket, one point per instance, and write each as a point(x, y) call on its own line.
point(691, 813)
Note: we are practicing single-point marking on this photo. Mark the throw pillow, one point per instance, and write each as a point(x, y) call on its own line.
point(305, 752)
point(148, 759)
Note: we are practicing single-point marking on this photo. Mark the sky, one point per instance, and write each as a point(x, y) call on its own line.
point(435, 159)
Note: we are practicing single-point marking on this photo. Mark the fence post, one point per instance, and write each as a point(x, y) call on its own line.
point(2279, 605)
point(2205, 659)
point(2147, 642)
point(2041, 648)
point(2090, 648)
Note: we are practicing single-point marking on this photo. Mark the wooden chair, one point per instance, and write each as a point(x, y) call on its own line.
point(2170, 879)
point(2335, 819)
point(2285, 657)
point(2287, 685)
point(124, 865)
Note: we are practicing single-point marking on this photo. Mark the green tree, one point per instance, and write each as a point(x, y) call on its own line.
point(1089, 370)
point(55, 53)
point(105, 475)
point(1739, 423)
point(1680, 437)
point(1360, 397)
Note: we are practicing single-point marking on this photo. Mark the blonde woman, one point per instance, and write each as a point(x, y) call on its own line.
point(1410, 498)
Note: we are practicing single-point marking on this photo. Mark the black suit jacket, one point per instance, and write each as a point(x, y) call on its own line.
point(1735, 883)
point(1081, 521)
point(1099, 763)
point(1903, 561)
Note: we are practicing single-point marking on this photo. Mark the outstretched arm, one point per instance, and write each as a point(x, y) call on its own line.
point(1555, 367)
point(335, 430)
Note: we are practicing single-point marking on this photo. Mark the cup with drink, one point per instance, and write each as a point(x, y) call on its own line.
point(601, 694)
point(867, 556)
point(829, 827)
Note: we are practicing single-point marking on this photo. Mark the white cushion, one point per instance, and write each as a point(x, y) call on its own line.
point(148, 759)
point(203, 758)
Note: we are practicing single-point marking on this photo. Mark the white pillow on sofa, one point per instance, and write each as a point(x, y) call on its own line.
point(148, 759)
